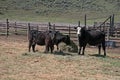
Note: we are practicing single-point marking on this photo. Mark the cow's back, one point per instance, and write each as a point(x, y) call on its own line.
point(95, 37)
point(40, 40)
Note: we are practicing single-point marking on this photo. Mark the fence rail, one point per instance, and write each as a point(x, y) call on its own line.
point(7, 28)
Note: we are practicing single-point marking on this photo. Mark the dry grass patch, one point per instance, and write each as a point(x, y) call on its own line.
point(16, 63)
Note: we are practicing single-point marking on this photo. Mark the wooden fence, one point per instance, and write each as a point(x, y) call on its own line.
point(20, 28)
point(115, 30)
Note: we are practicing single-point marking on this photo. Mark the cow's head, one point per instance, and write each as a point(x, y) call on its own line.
point(66, 39)
point(53, 34)
point(80, 30)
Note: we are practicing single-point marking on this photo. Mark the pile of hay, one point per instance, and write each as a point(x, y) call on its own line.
point(69, 48)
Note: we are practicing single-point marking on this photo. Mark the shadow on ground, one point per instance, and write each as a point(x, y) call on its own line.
point(62, 53)
point(97, 55)
point(55, 53)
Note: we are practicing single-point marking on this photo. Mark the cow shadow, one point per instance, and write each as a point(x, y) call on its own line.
point(97, 55)
point(62, 53)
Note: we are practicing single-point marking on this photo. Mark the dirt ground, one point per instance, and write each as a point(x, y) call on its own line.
point(16, 63)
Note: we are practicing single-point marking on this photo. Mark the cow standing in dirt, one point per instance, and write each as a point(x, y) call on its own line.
point(91, 37)
point(41, 38)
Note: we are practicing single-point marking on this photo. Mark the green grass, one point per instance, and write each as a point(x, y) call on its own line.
point(63, 11)
point(112, 62)
point(21, 15)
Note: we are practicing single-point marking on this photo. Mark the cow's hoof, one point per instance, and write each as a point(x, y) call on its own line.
point(105, 55)
point(34, 51)
point(45, 51)
point(51, 52)
point(78, 53)
point(82, 54)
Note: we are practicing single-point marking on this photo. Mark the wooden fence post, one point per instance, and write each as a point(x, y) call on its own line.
point(110, 30)
point(54, 27)
point(37, 28)
point(49, 26)
point(69, 31)
point(78, 23)
point(15, 28)
point(108, 34)
point(116, 32)
point(104, 27)
point(85, 20)
point(111, 25)
point(113, 20)
point(28, 30)
point(7, 25)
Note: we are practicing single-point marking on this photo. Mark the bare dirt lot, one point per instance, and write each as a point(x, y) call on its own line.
point(16, 63)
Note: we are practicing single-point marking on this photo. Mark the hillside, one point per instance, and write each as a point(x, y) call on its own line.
point(69, 9)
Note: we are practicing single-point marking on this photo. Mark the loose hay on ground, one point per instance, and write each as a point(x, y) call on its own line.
point(18, 64)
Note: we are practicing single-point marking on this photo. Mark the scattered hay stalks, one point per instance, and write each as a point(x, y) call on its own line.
point(69, 48)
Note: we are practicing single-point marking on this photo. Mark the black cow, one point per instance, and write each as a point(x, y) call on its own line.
point(61, 38)
point(41, 38)
point(91, 37)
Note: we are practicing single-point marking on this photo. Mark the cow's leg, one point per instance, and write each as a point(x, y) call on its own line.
point(46, 48)
point(104, 48)
point(83, 50)
point(30, 44)
point(33, 47)
point(99, 49)
point(79, 50)
point(52, 48)
point(57, 47)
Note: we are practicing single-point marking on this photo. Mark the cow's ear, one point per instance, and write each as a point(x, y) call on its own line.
point(75, 27)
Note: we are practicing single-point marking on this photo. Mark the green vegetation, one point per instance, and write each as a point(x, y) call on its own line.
point(59, 10)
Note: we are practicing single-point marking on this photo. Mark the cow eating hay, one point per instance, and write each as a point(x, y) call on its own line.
point(61, 38)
